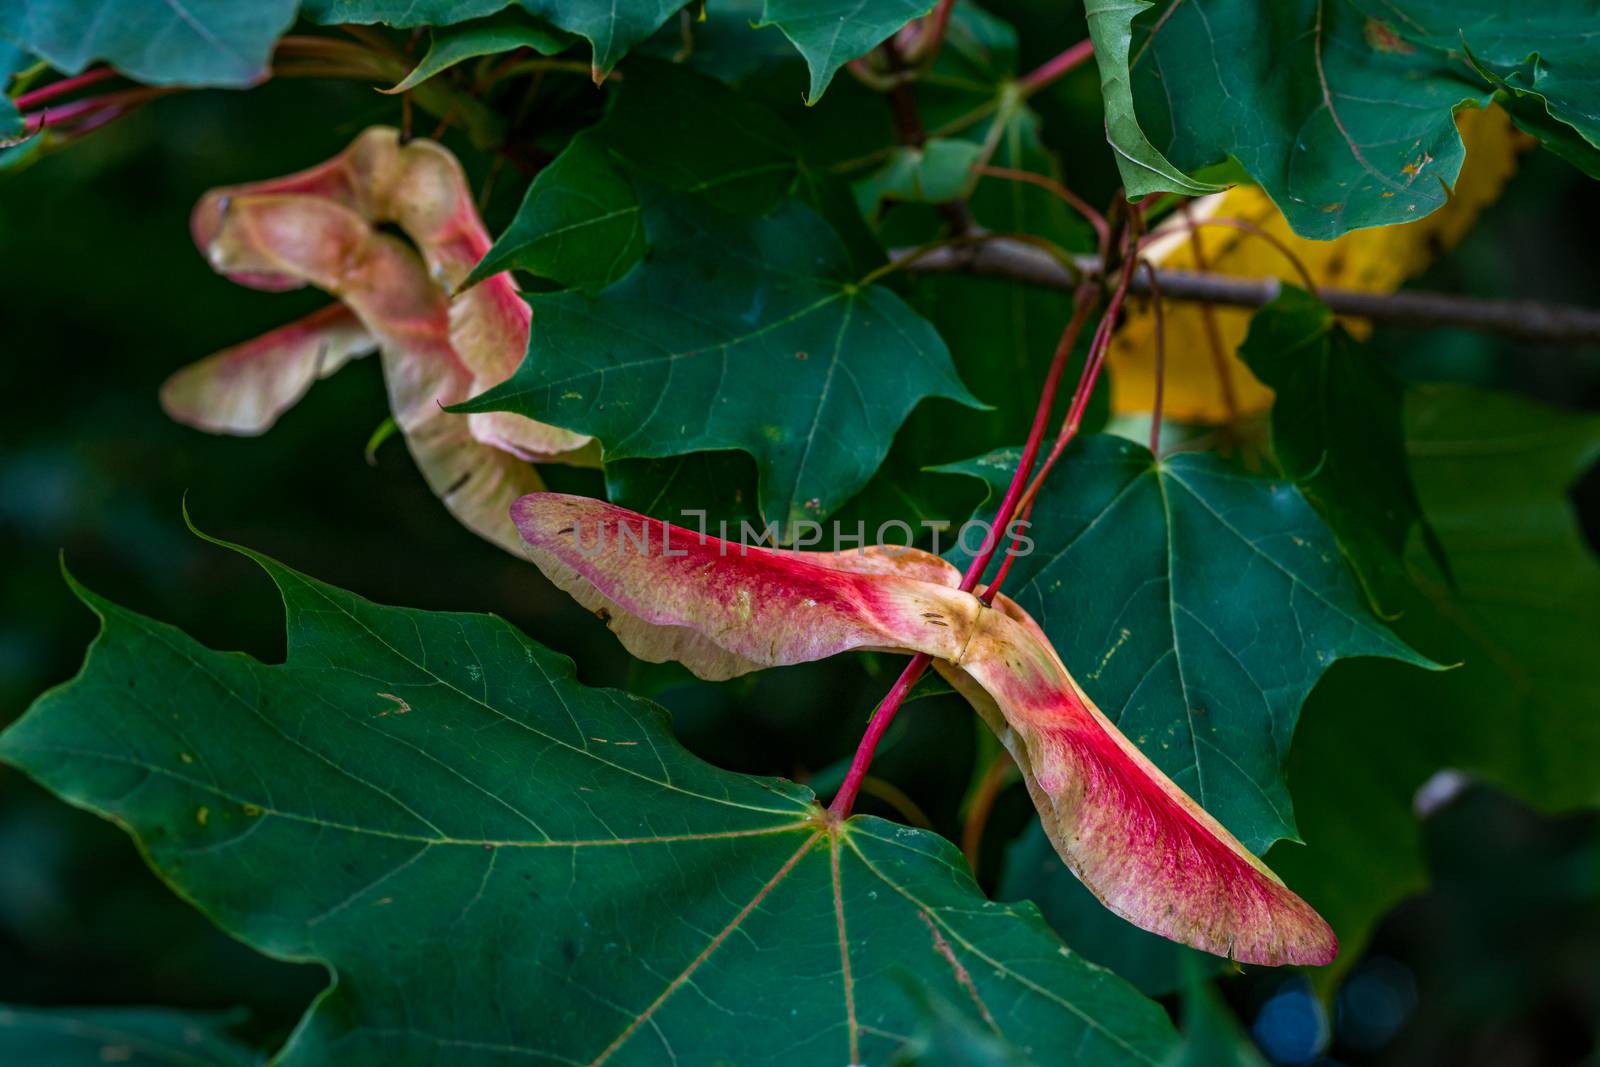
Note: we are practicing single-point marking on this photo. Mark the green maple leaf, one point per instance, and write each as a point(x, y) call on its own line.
point(1337, 430)
point(948, 1038)
point(1340, 122)
point(581, 222)
point(200, 42)
point(1198, 606)
point(721, 486)
point(830, 33)
point(404, 14)
point(12, 59)
point(744, 333)
point(495, 861)
point(483, 37)
point(1541, 58)
point(612, 27)
point(990, 325)
point(974, 111)
point(1493, 472)
point(138, 1037)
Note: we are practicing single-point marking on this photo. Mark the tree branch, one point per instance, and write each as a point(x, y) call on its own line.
point(1526, 320)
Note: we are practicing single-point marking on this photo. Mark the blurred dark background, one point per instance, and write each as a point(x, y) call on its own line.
point(104, 295)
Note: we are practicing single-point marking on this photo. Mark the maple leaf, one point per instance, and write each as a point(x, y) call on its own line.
point(320, 227)
point(405, 783)
point(1148, 851)
point(1374, 260)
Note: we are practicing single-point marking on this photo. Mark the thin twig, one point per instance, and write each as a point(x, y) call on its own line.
point(898, 799)
point(93, 111)
point(445, 122)
point(1526, 320)
point(844, 800)
point(1056, 67)
point(907, 256)
point(994, 780)
point(1072, 199)
point(1193, 225)
point(1083, 303)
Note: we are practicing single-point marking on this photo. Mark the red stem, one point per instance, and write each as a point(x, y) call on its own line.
point(1030, 451)
point(845, 799)
point(1093, 364)
point(51, 116)
point(1072, 199)
point(61, 88)
point(97, 120)
point(1083, 301)
point(938, 22)
point(1052, 69)
point(116, 103)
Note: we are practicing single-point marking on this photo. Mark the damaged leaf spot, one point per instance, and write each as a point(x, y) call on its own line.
point(1380, 37)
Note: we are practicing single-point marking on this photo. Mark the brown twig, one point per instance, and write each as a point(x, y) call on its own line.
point(1522, 319)
point(909, 130)
point(1193, 225)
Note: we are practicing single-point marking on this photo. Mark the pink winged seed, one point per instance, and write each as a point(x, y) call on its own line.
point(420, 187)
point(385, 285)
point(319, 227)
point(1147, 850)
point(242, 390)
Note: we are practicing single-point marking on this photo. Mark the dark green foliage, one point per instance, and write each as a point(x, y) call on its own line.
point(140, 1037)
point(367, 804)
point(498, 863)
point(1337, 431)
point(1198, 606)
point(709, 345)
point(1342, 110)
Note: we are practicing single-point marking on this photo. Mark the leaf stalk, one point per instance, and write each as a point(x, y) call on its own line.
point(1055, 68)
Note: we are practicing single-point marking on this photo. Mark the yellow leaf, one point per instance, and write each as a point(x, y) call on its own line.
point(1372, 260)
